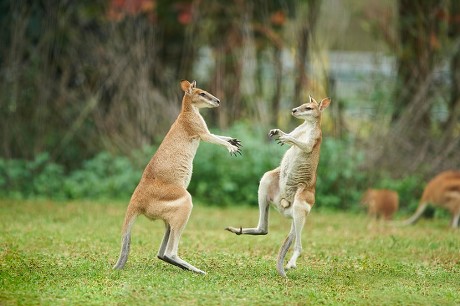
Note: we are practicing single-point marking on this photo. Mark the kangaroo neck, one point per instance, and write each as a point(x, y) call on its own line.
point(312, 123)
point(187, 105)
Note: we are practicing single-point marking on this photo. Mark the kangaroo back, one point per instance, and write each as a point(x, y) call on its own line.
point(443, 191)
point(381, 202)
point(173, 161)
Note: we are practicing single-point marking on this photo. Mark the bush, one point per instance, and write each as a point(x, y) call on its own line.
point(409, 189)
point(37, 178)
point(103, 177)
point(218, 178)
point(340, 180)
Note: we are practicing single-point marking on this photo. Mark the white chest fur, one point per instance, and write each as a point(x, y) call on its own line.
point(298, 165)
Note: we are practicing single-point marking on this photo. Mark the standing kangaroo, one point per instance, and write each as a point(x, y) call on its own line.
point(162, 191)
point(443, 191)
point(291, 186)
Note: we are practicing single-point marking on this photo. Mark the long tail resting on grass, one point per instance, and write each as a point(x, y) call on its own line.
point(291, 186)
point(162, 191)
point(443, 191)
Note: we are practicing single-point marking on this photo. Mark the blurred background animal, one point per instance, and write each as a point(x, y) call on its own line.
point(442, 191)
point(380, 203)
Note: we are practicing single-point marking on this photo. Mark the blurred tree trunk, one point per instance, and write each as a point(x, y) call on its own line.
point(278, 66)
point(410, 143)
point(189, 46)
point(226, 85)
point(336, 109)
point(226, 41)
point(306, 29)
point(419, 42)
point(454, 103)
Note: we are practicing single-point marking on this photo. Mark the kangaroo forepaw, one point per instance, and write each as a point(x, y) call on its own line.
point(235, 153)
point(235, 142)
point(273, 132)
point(236, 147)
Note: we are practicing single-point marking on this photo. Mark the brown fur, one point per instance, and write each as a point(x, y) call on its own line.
point(443, 191)
point(162, 191)
point(381, 203)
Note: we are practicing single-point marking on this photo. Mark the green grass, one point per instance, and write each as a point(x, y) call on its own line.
point(62, 253)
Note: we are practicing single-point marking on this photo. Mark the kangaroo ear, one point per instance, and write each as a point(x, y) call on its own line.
point(186, 86)
point(312, 100)
point(193, 84)
point(324, 104)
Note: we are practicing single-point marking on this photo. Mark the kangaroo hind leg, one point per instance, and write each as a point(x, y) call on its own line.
point(176, 223)
point(164, 242)
point(268, 191)
point(455, 219)
point(303, 201)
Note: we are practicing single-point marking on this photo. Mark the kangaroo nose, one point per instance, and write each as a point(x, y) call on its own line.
point(294, 110)
point(217, 101)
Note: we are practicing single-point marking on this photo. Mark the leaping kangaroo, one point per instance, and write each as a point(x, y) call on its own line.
point(291, 186)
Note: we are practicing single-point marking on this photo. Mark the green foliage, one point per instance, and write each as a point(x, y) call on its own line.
point(409, 189)
point(339, 181)
point(24, 179)
point(221, 179)
point(104, 176)
point(218, 178)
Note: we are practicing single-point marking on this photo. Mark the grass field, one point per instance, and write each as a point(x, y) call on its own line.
point(55, 253)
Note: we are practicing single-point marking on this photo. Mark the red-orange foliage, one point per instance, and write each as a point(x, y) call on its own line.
point(118, 9)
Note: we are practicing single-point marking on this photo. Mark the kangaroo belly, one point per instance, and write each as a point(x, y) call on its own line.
point(296, 168)
point(174, 163)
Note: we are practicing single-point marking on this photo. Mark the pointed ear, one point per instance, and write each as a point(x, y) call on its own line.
point(312, 100)
point(324, 104)
point(186, 86)
point(193, 84)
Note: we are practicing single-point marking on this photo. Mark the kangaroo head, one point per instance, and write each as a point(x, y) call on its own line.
point(311, 110)
point(198, 97)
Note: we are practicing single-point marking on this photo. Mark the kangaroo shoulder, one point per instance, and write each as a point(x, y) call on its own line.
point(192, 123)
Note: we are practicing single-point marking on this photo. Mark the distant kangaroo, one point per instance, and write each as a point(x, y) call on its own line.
point(291, 186)
point(443, 191)
point(162, 191)
point(380, 203)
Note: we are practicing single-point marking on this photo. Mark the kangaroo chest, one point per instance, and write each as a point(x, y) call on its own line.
point(298, 167)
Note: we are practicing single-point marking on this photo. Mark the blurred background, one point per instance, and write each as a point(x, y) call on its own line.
point(88, 90)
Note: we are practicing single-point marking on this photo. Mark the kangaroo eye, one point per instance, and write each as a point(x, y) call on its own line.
point(308, 108)
point(202, 94)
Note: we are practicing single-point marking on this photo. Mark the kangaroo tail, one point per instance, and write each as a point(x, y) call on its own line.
point(126, 237)
point(418, 213)
point(282, 253)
